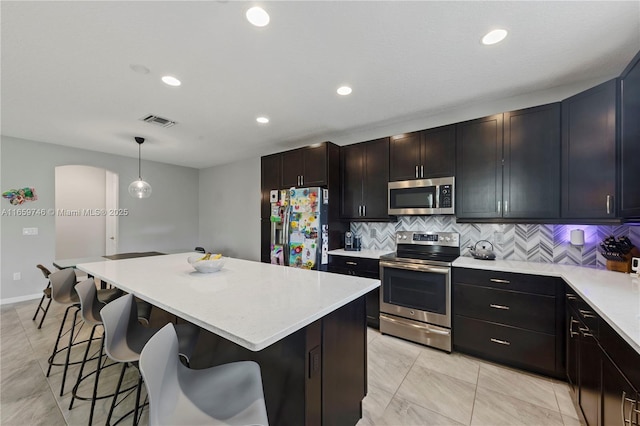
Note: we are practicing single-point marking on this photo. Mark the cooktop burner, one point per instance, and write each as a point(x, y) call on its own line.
point(439, 248)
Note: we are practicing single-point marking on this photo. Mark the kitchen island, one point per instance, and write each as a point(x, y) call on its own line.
point(306, 329)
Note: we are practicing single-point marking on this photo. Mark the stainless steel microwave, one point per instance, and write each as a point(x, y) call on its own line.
point(422, 196)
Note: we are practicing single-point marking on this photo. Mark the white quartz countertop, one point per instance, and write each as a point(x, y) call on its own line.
point(367, 254)
point(249, 303)
point(613, 295)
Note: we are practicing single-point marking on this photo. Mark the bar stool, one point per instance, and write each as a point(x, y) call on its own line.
point(46, 294)
point(229, 394)
point(124, 338)
point(63, 292)
point(90, 307)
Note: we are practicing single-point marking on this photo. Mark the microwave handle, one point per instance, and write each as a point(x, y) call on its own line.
point(437, 195)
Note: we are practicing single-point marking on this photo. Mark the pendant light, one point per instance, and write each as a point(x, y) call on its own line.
point(139, 188)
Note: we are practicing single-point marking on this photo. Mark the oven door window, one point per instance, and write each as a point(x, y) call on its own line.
point(413, 198)
point(423, 291)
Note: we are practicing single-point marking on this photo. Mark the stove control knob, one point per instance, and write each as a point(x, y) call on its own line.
point(447, 239)
point(404, 237)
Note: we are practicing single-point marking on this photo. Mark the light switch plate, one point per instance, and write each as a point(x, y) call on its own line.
point(29, 231)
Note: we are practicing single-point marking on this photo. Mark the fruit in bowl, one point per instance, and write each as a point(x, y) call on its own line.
point(207, 263)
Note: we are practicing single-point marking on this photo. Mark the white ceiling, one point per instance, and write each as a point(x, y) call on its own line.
point(66, 76)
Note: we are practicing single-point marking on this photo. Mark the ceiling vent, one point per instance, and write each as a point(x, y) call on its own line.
point(160, 121)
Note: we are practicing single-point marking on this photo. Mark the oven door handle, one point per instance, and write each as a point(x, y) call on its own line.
point(426, 328)
point(415, 267)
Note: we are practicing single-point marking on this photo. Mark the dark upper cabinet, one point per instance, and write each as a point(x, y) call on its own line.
point(589, 153)
point(438, 151)
point(404, 157)
point(508, 165)
point(630, 140)
point(305, 167)
point(426, 154)
point(531, 171)
point(365, 173)
point(269, 180)
point(479, 168)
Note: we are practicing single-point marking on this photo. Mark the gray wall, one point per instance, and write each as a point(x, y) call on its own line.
point(167, 220)
point(230, 209)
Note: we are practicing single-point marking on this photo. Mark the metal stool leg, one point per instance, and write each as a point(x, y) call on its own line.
point(84, 361)
point(55, 347)
point(38, 309)
point(66, 363)
point(115, 396)
point(44, 315)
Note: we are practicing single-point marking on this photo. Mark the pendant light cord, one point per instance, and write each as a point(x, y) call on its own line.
point(139, 161)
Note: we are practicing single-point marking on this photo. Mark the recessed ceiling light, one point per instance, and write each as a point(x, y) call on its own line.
point(344, 90)
point(171, 81)
point(494, 36)
point(262, 120)
point(257, 16)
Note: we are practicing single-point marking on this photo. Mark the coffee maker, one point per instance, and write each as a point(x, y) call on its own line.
point(352, 242)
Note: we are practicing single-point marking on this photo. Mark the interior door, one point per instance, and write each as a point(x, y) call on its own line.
point(111, 204)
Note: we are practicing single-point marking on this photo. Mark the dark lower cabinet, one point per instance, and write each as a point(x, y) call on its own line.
point(602, 369)
point(618, 396)
point(361, 267)
point(514, 319)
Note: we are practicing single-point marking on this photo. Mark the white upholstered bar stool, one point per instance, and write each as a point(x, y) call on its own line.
point(124, 338)
point(228, 394)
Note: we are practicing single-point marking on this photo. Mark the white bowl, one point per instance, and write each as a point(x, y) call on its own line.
point(206, 266)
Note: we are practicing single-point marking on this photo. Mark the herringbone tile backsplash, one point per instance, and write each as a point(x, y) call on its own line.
point(533, 243)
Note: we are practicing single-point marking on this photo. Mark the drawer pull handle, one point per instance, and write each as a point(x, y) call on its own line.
point(503, 307)
point(497, 280)
point(633, 402)
point(586, 314)
point(351, 263)
point(585, 332)
point(571, 296)
point(501, 342)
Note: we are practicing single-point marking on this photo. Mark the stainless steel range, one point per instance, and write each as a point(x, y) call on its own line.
point(415, 295)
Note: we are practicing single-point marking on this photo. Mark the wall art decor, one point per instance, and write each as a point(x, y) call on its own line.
point(19, 196)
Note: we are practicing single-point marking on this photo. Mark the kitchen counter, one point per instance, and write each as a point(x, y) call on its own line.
point(249, 303)
point(306, 329)
point(613, 295)
point(367, 254)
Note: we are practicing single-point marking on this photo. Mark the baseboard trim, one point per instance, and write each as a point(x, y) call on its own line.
point(20, 299)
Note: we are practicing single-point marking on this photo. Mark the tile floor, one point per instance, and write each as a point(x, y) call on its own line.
point(409, 384)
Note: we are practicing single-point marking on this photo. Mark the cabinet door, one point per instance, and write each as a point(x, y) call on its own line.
point(352, 167)
point(439, 151)
point(315, 165)
point(630, 140)
point(572, 337)
point(375, 179)
point(404, 157)
point(531, 186)
point(589, 153)
point(269, 180)
point(292, 167)
point(618, 396)
point(590, 374)
point(479, 168)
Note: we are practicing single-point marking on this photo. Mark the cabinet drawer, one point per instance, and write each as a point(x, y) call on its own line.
point(533, 284)
point(362, 267)
point(524, 310)
point(515, 346)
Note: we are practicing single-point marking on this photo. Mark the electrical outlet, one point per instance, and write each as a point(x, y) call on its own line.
point(29, 231)
point(498, 237)
point(17, 276)
point(372, 233)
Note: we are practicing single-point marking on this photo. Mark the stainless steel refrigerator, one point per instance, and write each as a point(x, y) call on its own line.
point(299, 228)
